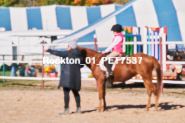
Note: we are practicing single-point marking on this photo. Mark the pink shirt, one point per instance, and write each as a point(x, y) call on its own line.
point(117, 43)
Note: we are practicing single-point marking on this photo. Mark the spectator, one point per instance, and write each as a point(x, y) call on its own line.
point(27, 71)
point(32, 71)
point(13, 68)
point(175, 56)
point(183, 56)
point(22, 70)
point(22, 67)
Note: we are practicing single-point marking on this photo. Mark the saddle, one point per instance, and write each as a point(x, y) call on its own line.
point(122, 54)
point(109, 66)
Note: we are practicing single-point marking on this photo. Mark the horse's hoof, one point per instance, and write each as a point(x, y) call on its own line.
point(146, 109)
point(156, 109)
point(100, 110)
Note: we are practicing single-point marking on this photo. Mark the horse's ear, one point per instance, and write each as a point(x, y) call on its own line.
point(84, 52)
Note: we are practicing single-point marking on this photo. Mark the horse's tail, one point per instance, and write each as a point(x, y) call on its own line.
point(157, 67)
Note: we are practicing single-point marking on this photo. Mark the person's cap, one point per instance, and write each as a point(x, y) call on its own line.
point(73, 43)
point(116, 28)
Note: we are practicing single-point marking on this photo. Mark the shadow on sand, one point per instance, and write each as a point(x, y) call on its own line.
point(163, 106)
point(141, 85)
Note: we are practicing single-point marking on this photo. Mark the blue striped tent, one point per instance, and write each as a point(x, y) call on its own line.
point(52, 17)
point(137, 13)
point(84, 21)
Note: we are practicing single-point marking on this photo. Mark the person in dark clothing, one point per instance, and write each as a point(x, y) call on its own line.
point(177, 57)
point(66, 98)
point(22, 69)
point(14, 67)
point(183, 58)
point(70, 78)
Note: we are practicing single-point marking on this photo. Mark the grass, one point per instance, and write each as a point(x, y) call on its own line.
point(24, 85)
point(7, 73)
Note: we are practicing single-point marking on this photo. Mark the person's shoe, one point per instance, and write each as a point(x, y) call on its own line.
point(78, 111)
point(65, 112)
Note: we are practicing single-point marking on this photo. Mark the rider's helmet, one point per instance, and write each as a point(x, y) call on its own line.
point(116, 28)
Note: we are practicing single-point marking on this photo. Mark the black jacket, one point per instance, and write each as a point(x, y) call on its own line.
point(70, 73)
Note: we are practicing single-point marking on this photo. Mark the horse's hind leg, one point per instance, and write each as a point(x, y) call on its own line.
point(149, 96)
point(150, 88)
point(156, 102)
point(153, 89)
point(157, 94)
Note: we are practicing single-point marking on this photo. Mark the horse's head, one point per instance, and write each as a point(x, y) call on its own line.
point(90, 53)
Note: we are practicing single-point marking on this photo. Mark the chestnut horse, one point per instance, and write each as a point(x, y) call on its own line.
point(123, 72)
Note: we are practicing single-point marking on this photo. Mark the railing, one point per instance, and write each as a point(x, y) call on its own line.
point(144, 43)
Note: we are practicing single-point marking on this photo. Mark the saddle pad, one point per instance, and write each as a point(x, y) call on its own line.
point(102, 66)
point(116, 61)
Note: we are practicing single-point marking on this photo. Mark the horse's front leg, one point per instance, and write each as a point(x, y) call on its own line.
point(102, 102)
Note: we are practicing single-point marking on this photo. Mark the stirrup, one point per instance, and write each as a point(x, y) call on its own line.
point(106, 74)
point(111, 74)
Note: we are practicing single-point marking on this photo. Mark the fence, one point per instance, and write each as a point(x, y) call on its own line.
point(132, 46)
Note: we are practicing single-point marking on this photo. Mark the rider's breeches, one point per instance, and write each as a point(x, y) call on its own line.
point(66, 97)
point(113, 54)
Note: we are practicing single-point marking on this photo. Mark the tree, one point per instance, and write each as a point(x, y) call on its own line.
point(121, 1)
point(7, 3)
point(23, 3)
point(65, 2)
point(79, 2)
point(91, 2)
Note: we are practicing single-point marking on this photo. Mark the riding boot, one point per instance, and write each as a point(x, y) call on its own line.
point(109, 68)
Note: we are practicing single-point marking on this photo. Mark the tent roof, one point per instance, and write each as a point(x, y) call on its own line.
point(138, 13)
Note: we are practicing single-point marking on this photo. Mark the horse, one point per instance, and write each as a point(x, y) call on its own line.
point(123, 72)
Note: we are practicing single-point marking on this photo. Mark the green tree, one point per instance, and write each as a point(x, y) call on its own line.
point(121, 1)
point(24, 3)
point(65, 2)
point(49, 2)
point(7, 3)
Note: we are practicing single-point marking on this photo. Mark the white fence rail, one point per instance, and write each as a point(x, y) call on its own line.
point(144, 43)
point(92, 43)
point(57, 79)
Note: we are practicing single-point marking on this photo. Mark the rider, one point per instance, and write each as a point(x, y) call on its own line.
point(116, 46)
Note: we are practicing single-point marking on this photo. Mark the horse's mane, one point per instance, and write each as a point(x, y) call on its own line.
point(88, 50)
point(90, 53)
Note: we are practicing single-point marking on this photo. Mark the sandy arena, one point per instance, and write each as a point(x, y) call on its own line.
point(124, 105)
